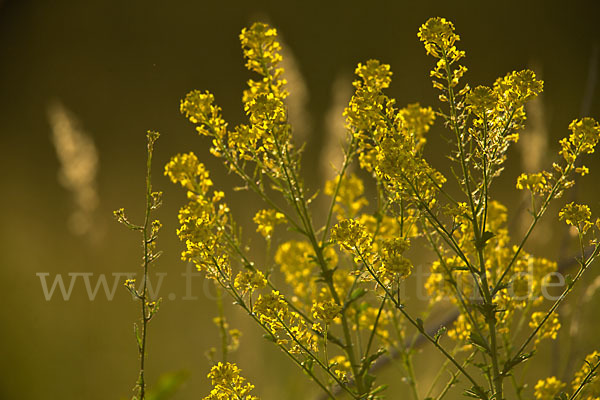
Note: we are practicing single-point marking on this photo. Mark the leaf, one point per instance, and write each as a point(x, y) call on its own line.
point(308, 364)
point(370, 359)
point(440, 332)
point(510, 364)
point(479, 341)
point(368, 380)
point(420, 325)
point(379, 389)
point(569, 280)
point(476, 393)
point(561, 396)
point(487, 235)
point(270, 338)
point(357, 294)
point(138, 338)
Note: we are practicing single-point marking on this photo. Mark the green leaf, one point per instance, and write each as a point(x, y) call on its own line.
point(487, 235)
point(479, 341)
point(308, 364)
point(440, 332)
point(357, 294)
point(476, 393)
point(510, 364)
point(420, 325)
point(270, 338)
point(379, 389)
point(167, 385)
point(138, 337)
point(370, 359)
point(569, 280)
point(561, 396)
point(369, 379)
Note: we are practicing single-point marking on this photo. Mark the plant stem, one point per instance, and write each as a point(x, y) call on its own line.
point(147, 259)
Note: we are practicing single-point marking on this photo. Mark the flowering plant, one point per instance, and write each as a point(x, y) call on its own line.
point(331, 299)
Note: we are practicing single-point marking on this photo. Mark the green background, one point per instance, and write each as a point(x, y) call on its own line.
point(121, 67)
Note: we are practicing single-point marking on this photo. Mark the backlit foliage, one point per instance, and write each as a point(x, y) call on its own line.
point(332, 298)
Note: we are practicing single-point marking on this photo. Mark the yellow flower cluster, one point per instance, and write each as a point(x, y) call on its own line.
point(198, 107)
point(261, 48)
point(591, 390)
point(549, 329)
point(203, 220)
point(585, 134)
point(417, 121)
point(438, 36)
point(249, 281)
point(271, 308)
point(389, 141)
point(394, 266)
point(584, 137)
point(461, 330)
point(351, 235)
point(536, 183)
point(349, 199)
point(229, 384)
point(548, 388)
point(340, 367)
point(518, 87)
point(577, 215)
point(295, 262)
point(186, 170)
point(439, 39)
point(585, 381)
point(481, 100)
point(494, 283)
point(325, 311)
point(288, 328)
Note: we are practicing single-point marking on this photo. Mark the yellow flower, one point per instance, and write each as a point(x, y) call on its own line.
point(374, 74)
point(550, 327)
point(592, 390)
point(516, 88)
point(481, 99)
point(186, 170)
point(417, 121)
point(583, 139)
point(462, 329)
point(548, 388)
point(266, 221)
point(536, 183)
point(228, 383)
point(325, 311)
point(394, 265)
point(437, 34)
point(271, 307)
point(261, 47)
point(349, 199)
point(577, 215)
point(249, 281)
point(198, 107)
point(350, 235)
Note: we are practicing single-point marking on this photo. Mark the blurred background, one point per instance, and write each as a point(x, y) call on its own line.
point(82, 81)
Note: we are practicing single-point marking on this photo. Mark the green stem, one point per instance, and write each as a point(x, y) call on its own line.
point(347, 160)
point(419, 327)
point(147, 259)
point(583, 267)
